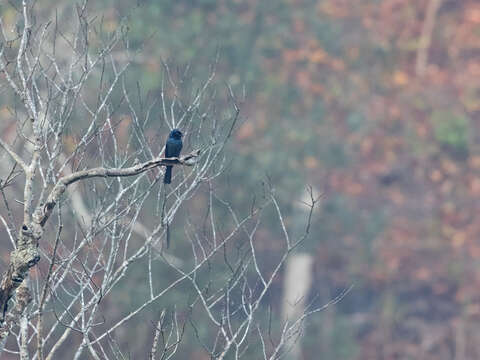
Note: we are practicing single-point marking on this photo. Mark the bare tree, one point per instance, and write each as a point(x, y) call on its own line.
point(93, 206)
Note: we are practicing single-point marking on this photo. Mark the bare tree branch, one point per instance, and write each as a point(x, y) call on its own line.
point(14, 155)
point(79, 116)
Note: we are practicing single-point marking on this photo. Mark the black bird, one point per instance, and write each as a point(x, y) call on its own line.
point(172, 149)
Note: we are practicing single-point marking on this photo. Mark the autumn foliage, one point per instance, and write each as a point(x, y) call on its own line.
point(389, 93)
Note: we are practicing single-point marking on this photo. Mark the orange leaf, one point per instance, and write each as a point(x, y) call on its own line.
point(400, 78)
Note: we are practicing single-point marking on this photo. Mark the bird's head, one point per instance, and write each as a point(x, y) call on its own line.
point(176, 134)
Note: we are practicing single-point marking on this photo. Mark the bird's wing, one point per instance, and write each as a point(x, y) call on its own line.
point(168, 149)
point(173, 148)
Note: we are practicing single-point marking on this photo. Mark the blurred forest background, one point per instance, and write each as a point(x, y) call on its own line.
point(376, 104)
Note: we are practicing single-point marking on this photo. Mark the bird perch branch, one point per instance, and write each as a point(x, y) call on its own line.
point(60, 187)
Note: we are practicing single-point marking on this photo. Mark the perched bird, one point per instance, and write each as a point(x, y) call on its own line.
point(172, 149)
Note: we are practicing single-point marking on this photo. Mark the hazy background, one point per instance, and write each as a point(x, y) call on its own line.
point(376, 104)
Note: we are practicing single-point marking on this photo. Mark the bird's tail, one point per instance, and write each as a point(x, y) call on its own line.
point(167, 178)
